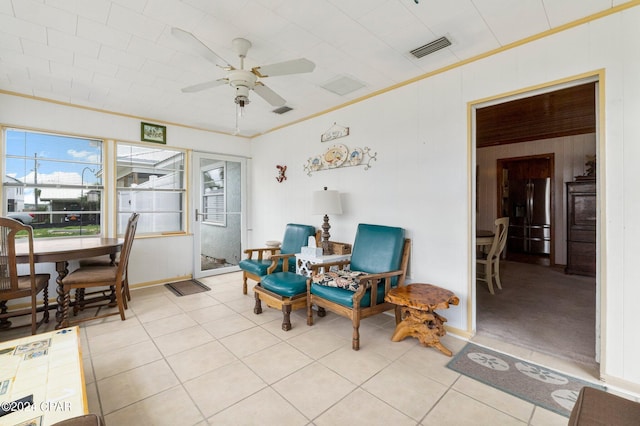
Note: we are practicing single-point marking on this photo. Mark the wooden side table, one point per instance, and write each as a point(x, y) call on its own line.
point(415, 306)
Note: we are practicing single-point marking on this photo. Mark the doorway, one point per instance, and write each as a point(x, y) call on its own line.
point(525, 195)
point(568, 152)
point(219, 196)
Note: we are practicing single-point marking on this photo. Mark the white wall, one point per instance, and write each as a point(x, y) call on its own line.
point(154, 259)
point(421, 180)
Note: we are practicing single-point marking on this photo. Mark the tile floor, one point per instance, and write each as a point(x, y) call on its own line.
point(207, 359)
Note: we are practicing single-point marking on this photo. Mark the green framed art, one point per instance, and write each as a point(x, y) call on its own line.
point(153, 133)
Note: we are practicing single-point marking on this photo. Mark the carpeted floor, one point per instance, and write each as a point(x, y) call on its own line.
point(187, 287)
point(540, 308)
point(539, 385)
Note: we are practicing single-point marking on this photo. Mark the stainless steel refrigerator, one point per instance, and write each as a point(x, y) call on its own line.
point(529, 204)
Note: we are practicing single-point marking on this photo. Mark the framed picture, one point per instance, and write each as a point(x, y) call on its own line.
point(153, 133)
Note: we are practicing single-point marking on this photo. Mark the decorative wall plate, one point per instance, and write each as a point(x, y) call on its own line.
point(355, 157)
point(335, 156)
point(339, 156)
point(315, 163)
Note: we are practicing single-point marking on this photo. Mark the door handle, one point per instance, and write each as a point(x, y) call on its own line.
point(199, 214)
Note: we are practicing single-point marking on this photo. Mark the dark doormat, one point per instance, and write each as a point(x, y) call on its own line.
point(187, 287)
point(538, 385)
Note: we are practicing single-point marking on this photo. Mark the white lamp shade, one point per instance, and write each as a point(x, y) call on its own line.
point(326, 202)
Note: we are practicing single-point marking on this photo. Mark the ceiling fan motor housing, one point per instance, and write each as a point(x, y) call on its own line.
point(242, 81)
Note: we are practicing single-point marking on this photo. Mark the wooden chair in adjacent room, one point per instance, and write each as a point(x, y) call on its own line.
point(110, 276)
point(14, 286)
point(378, 263)
point(488, 264)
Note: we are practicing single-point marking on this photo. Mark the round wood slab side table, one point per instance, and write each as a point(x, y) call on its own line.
point(416, 305)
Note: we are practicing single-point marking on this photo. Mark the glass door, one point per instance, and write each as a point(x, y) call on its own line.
point(219, 199)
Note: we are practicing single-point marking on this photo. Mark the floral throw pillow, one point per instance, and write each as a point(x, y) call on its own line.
point(348, 280)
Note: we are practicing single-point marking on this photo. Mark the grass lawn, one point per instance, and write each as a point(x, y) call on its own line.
point(67, 231)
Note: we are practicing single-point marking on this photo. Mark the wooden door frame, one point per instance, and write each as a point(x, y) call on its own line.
point(499, 170)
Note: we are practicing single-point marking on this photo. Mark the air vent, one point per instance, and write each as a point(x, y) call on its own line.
point(342, 85)
point(428, 48)
point(282, 110)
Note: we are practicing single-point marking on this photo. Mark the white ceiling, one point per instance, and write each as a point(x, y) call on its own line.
point(120, 56)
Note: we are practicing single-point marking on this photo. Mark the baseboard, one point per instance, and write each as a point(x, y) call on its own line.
point(463, 334)
point(629, 389)
point(160, 282)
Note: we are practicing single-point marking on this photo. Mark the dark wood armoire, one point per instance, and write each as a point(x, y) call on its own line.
point(581, 227)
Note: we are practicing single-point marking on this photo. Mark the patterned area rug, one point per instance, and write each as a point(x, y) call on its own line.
point(538, 385)
point(187, 287)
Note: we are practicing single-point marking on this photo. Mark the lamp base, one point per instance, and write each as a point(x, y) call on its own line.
point(326, 247)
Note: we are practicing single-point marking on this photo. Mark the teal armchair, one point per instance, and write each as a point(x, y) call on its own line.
point(356, 288)
point(256, 264)
point(281, 288)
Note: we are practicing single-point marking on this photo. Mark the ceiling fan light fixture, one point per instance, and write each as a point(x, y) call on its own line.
point(242, 101)
point(242, 98)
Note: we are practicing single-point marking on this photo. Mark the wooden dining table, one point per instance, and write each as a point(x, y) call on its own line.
point(61, 250)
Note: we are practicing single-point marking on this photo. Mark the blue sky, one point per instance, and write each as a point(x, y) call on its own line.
point(61, 160)
point(59, 157)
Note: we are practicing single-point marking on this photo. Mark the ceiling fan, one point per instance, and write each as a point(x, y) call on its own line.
point(241, 80)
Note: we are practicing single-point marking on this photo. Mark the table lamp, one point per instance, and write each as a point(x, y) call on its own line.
point(326, 202)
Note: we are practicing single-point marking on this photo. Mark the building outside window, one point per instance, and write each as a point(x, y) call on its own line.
point(214, 197)
point(151, 181)
point(53, 182)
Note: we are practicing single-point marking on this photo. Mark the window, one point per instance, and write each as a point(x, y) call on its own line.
point(53, 182)
point(214, 199)
point(151, 182)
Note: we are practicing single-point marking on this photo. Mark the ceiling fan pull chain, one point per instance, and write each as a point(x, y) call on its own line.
point(237, 130)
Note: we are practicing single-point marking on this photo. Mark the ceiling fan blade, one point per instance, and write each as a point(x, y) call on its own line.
point(295, 66)
point(199, 47)
point(205, 85)
point(269, 95)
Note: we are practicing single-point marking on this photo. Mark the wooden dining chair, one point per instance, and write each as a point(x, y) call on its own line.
point(107, 261)
point(14, 286)
point(113, 276)
point(489, 263)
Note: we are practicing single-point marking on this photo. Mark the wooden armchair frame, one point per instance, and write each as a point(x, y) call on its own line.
point(285, 303)
point(260, 253)
point(366, 283)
